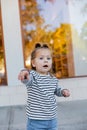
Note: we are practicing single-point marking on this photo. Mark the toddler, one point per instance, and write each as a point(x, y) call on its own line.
point(42, 86)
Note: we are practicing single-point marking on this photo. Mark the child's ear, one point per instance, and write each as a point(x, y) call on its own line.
point(33, 63)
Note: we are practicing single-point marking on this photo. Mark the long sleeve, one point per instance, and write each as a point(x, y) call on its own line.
point(28, 82)
point(58, 92)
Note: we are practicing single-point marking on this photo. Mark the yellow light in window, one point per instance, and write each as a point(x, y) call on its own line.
point(28, 61)
point(2, 71)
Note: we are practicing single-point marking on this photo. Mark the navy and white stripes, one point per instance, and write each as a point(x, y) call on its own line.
point(41, 102)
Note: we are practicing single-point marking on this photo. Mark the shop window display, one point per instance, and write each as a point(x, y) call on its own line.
point(3, 79)
point(52, 21)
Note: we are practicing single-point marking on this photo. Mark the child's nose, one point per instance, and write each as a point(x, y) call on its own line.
point(45, 60)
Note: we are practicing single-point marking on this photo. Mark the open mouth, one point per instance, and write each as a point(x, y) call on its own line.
point(45, 66)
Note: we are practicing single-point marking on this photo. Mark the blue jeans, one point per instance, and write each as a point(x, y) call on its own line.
point(33, 124)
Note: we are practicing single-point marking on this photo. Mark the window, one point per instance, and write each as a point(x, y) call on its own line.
point(3, 79)
point(57, 23)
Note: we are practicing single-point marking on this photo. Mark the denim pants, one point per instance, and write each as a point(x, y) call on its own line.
point(33, 124)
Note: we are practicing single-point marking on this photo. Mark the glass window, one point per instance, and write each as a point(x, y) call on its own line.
point(3, 79)
point(63, 25)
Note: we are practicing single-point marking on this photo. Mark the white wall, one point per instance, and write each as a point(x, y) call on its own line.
point(17, 95)
point(77, 87)
point(12, 40)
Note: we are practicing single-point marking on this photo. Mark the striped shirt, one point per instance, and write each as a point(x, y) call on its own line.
point(41, 102)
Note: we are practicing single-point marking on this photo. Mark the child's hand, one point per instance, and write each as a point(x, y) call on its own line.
point(65, 92)
point(24, 74)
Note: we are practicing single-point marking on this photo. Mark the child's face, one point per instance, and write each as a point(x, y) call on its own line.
point(42, 61)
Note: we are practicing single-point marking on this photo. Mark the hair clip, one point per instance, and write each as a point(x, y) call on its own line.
point(45, 46)
point(37, 45)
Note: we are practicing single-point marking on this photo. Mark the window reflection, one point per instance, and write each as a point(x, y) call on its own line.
point(52, 21)
point(2, 62)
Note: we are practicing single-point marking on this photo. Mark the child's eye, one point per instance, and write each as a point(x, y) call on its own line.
point(48, 58)
point(41, 58)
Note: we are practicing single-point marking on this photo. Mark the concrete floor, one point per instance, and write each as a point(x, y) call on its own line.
point(72, 115)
